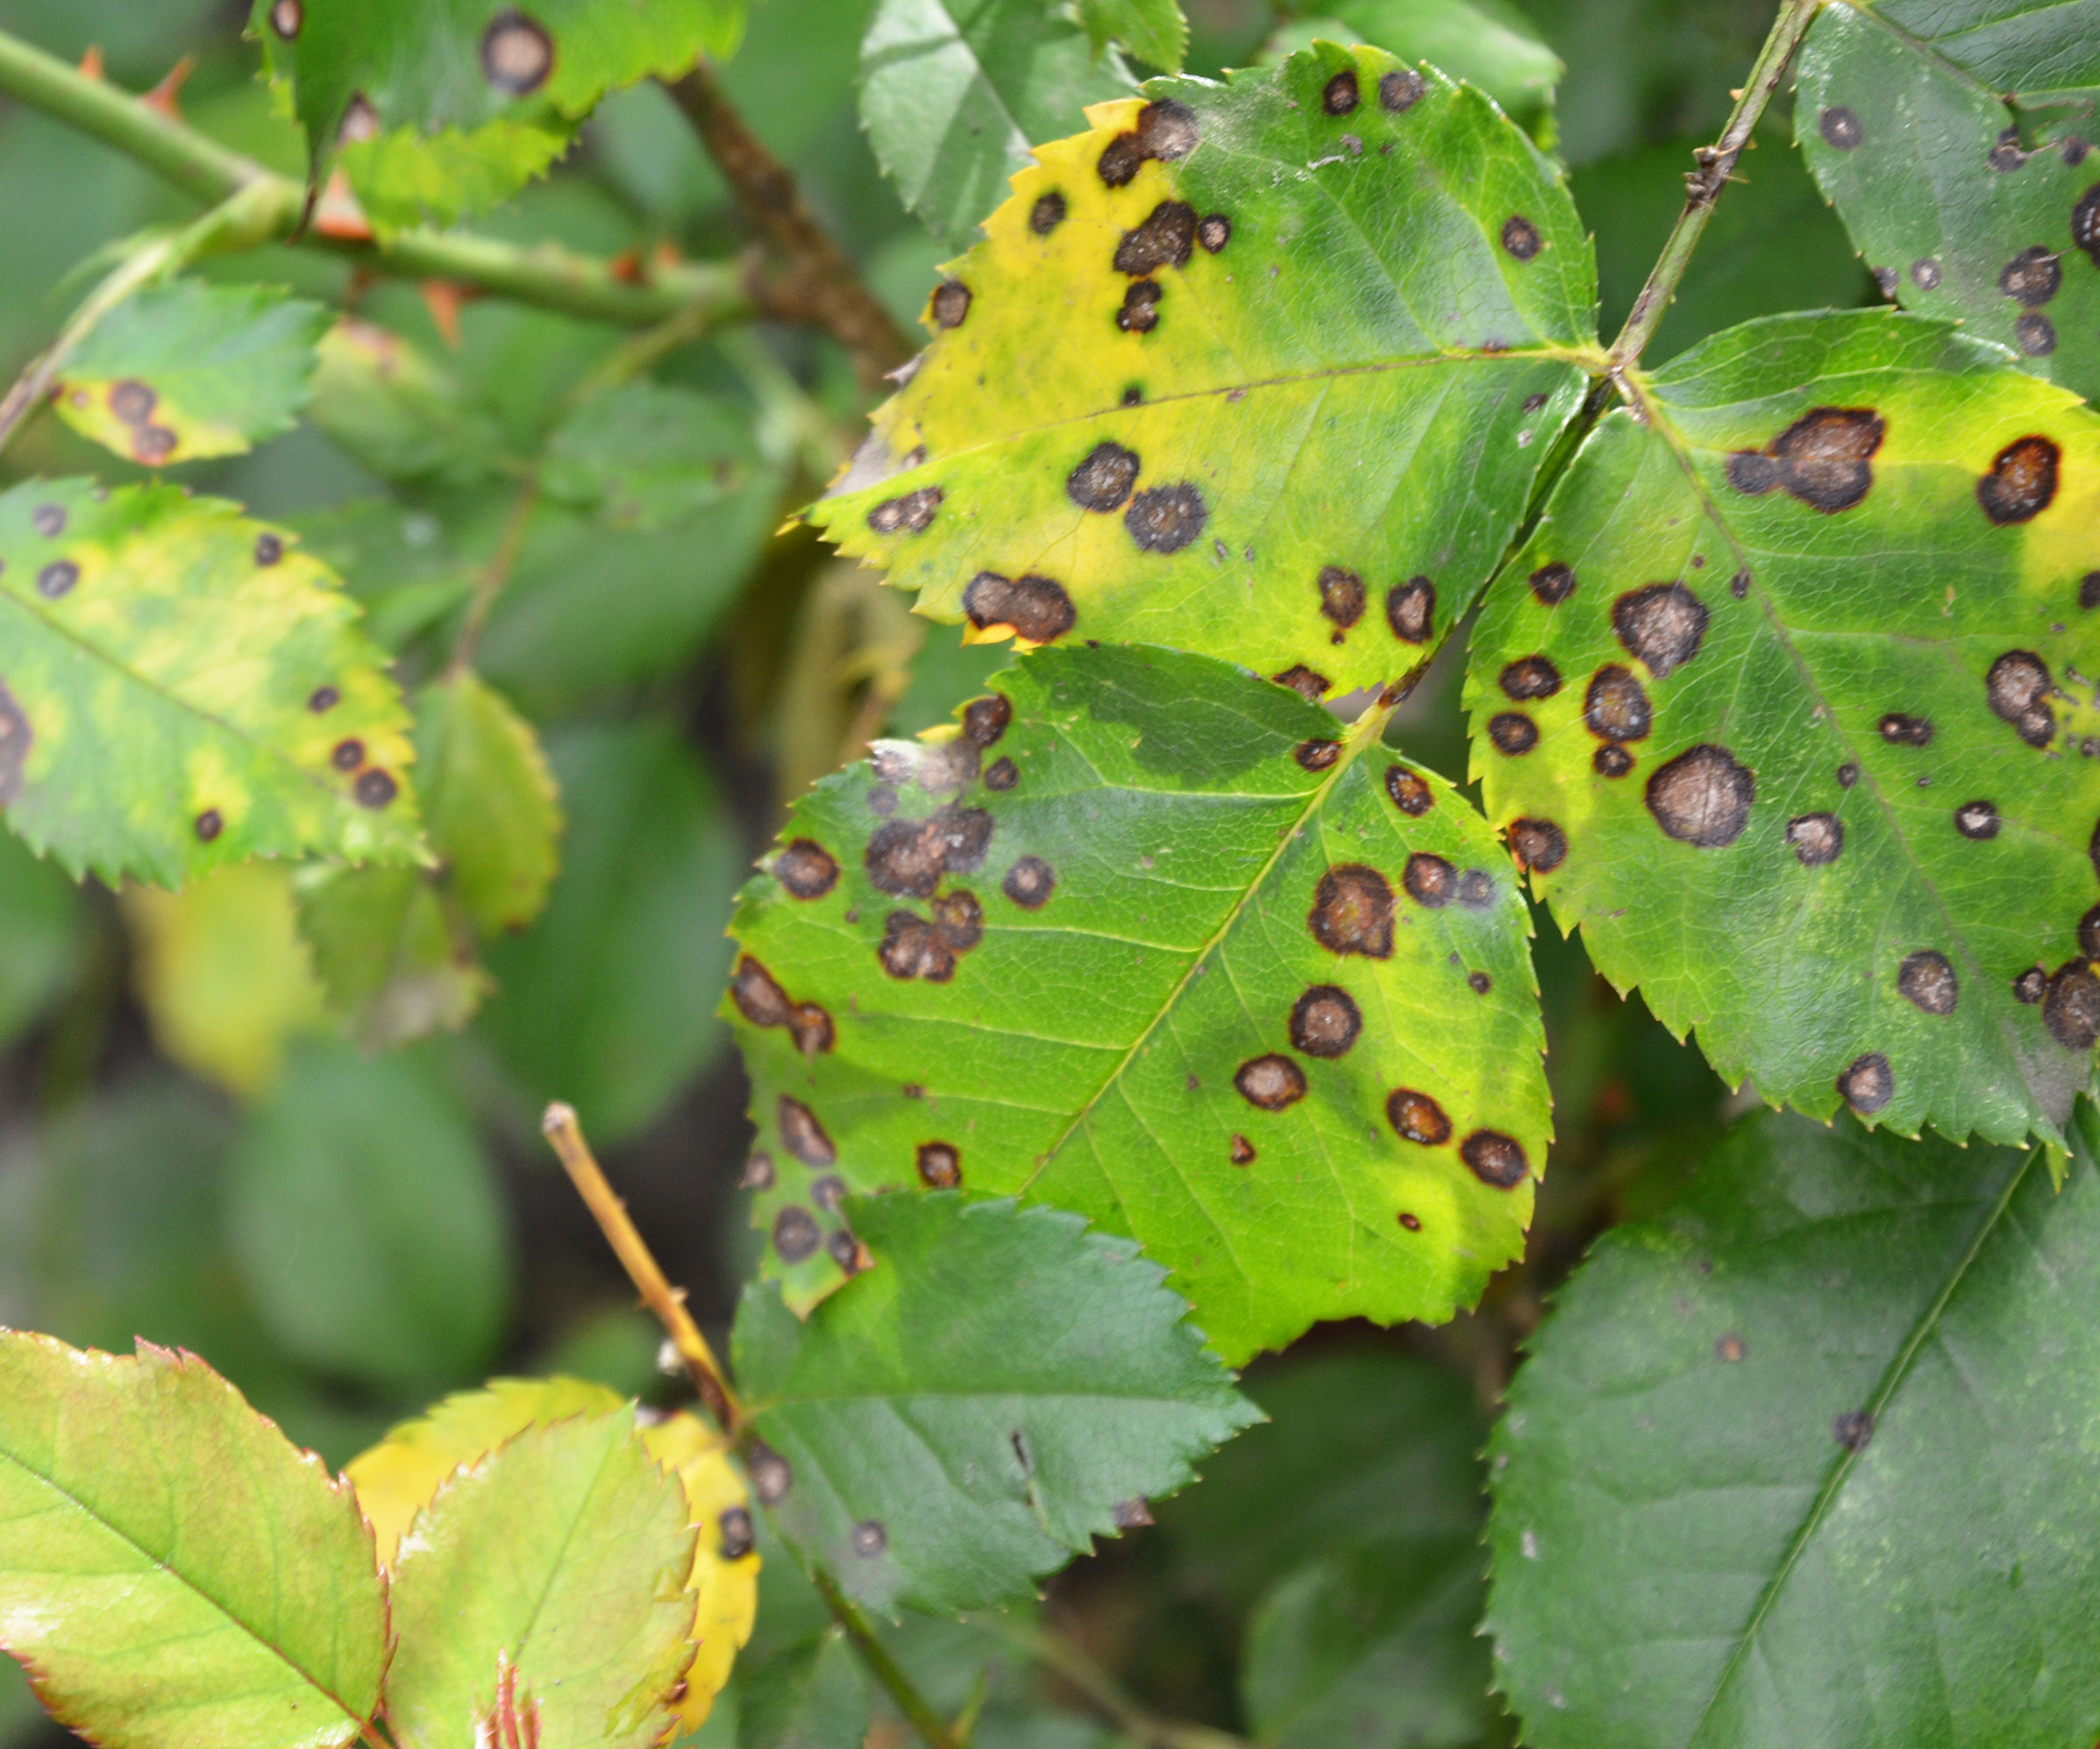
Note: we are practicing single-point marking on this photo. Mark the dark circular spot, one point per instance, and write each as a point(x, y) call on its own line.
point(2035, 334)
point(1325, 1021)
point(1317, 756)
point(375, 788)
point(1611, 760)
point(1848, 774)
point(1103, 478)
point(2017, 688)
point(2022, 481)
point(322, 698)
point(48, 520)
point(210, 825)
point(1825, 456)
point(1270, 1082)
point(795, 1234)
point(1036, 608)
point(1308, 684)
point(959, 920)
point(1409, 794)
point(1886, 279)
point(1703, 797)
point(347, 755)
point(1475, 888)
point(1520, 238)
point(1429, 880)
point(1214, 233)
point(911, 514)
point(2071, 1005)
point(1752, 472)
point(1868, 1083)
point(1479, 982)
point(1927, 979)
point(2032, 278)
point(154, 445)
point(1496, 1159)
point(1977, 819)
point(1400, 89)
point(1513, 732)
point(1029, 883)
point(133, 402)
point(286, 16)
point(1166, 518)
point(2088, 590)
point(1840, 127)
point(758, 994)
point(1817, 838)
point(1340, 96)
point(1166, 238)
point(806, 869)
point(828, 1193)
point(57, 579)
point(360, 121)
point(1002, 774)
point(1352, 912)
point(1341, 595)
point(1925, 274)
point(771, 1475)
point(1416, 1117)
point(1047, 214)
point(2085, 223)
point(738, 1536)
point(1662, 626)
point(1412, 1222)
point(1121, 161)
point(516, 54)
point(802, 1135)
point(1900, 731)
point(2005, 154)
point(1411, 609)
point(2088, 933)
point(2031, 985)
point(1167, 130)
point(985, 720)
point(1615, 706)
point(869, 1539)
point(1738, 585)
point(1540, 845)
point(1530, 677)
point(268, 549)
point(951, 304)
point(1553, 584)
point(940, 1165)
point(912, 948)
point(1241, 1151)
point(1853, 1429)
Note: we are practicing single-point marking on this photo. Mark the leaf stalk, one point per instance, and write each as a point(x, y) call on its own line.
point(917, 1710)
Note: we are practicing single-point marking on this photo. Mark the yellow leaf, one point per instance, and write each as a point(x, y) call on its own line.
point(724, 1580)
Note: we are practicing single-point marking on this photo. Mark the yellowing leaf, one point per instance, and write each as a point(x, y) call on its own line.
point(225, 977)
point(724, 1580)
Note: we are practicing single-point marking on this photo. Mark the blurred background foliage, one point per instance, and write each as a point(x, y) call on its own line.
point(203, 1141)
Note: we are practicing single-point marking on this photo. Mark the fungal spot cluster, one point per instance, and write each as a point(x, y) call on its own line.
point(911, 514)
point(1823, 459)
point(760, 1000)
point(1165, 130)
point(1036, 609)
point(132, 405)
point(2017, 689)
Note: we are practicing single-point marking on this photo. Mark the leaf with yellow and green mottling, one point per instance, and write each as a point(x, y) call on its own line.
point(724, 1579)
point(182, 687)
point(182, 371)
point(1264, 370)
point(1159, 942)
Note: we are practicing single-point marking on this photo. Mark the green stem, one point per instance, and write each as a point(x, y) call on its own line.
point(1704, 185)
point(549, 277)
point(1054, 1652)
point(917, 1710)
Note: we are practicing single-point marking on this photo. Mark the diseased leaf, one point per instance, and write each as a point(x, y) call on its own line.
point(808, 1697)
point(1808, 1454)
point(182, 687)
point(174, 1575)
point(366, 1219)
point(1968, 203)
point(723, 1581)
point(441, 108)
point(648, 454)
point(997, 1389)
point(953, 93)
point(1152, 30)
point(1261, 370)
point(1156, 941)
point(539, 1596)
point(1792, 719)
point(221, 972)
point(183, 370)
point(398, 411)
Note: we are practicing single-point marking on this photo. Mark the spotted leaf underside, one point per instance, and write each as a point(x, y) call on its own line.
point(184, 371)
point(1264, 370)
point(436, 108)
point(1000, 1388)
point(1795, 719)
point(1155, 941)
point(1806, 1461)
point(182, 687)
point(1955, 141)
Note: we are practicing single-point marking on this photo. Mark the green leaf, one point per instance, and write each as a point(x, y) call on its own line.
point(647, 455)
point(953, 93)
point(182, 688)
point(366, 1220)
point(999, 1387)
point(1810, 722)
point(1152, 30)
point(185, 370)
point(808, 1697)
point(540, 1595)
point(599, 1003)
point(1967, 204)
point(493, 814)
point(1202, 1001)
point(1303, 447)
point(174, 1575)
point(396, 410)
point(395, 962)
point(441, 110)
point(1374, 1647)
point(1813, 1447)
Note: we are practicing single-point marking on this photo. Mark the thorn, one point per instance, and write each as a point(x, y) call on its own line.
point(626, 267)
point(90, 63)
point(667, 255)
point(337, 214)
point(163, 96)
point(443, 298)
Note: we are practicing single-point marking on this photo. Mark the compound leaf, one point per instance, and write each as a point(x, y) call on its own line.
point(437, 109)
point(182, 371)
point(1154, 941)
point(1314, 331)
point(173, 1573)
point(541, 1595)
point(998, 1387)
point(1813, 1447)
point(1792, 719)
point(1966, 203)
point(182, 687)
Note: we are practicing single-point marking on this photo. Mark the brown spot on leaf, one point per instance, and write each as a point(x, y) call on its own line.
point(802, 1135)
point(1317, 754)
point(1139, 311)
point(1530, 677)
point(1340, 96)
point(2071, 1005)
point(1002, 774)
point(286, 17)
point(2022, 481)
point(2034, 334)
point(1730, 1347)
point(2031, 985)
point(1611, 760)
point(1401, 89)
point(758, 1173)
point(912, 948)
point(1817, 838)
point(1214, 233)
point(1352, 912)
point(1853, 1429)
point(1325, 1021)
point(1925, 274)
point(1270, 1082)
point(806, 869)
point(517, 54)
point(1103, 479)
point(908, 857)
point(1520, 238)
point(1900, 731)
point(951, 304)
point(1120, 160)
point(1662, 626)
point(1166, 238)
point(1428, 879)
point(1513, 732)
point(1411, 609)
point(1166, 518)
point(1615, 705)
point(985, 720)
point(322, 698)
point(1824, 457)
point(133, 402)
point(1029, 883)
point(1978, 819)
point(959, 919)
point(1868, 1083)
point(375, 788)
point(57, 579)
point(154, 445)
point(1309, 684)
point(1927, 979)
point(48, 520)
point(1703, 797)
point(2032, 278)
point(1132, 1515)
point(869, 1539)
point(210, 824)
point(1539, 845)
point(1840, 127)
point(268, 549)
point(828, 1193)
point(2018, 690)
point(738, 1537)
point(2085, 223)
point(911, 514)
point(758, 994)
point(1167, 130)
point(1243, 1150)
point(1412, 1222)
point(1553, 584)
point(771, 1474)
point(940, 1165)
point(1036, 609)
point(1416, 1117)
point(1047, 214)
point(1479, 982)
point(348, 755)
point(1752, 472)
point(795, 1233)
point(1341, 595)
point(1409, 794)
point(1496, 1159)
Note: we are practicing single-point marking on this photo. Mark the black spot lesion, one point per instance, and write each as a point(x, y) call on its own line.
point(1539, 844)
point(940, 1165)
point(2070, 1007)
point(1308, 683)
point(985, 720)
point(1325, 1021)
point(911, 514)
point(1166, 518)
point(1410, 793)
point(1029, 883)
point(2017, 689)
point(1866, 1084)
point(1035, 609)
point(1165, 130)
point(1270, 1082)
point(1416, 1117)
point(1411, 610)
point(795, 1233)
point(1048, 213)
point(1978, 819)
point(1900, 729)
point(1352, 912)
point(1341, 95)
point(1661, 626)
point(802, 1135)
point(2022, 481)
point(1496, 1159)
point(1166, 238)
point(1703, 797)
point(1553, 583)
point(1318, 755)
point(1817, 838)
point(1513, 733)
point(951, 304)
point(1520, 238)
point(1926, 979)
point(908, 858)
point(1400, 90)
point(517, 54)
point(1615, 705)
point(1214, 233)
point(1103, 478)
point(1529, 678)
point(1823, 459)
point(1342, 596)
point(1840, 128)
